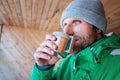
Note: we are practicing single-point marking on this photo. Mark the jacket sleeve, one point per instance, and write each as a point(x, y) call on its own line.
point(37, 74)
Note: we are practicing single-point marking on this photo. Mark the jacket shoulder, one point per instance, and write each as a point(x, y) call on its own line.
point(115, 52)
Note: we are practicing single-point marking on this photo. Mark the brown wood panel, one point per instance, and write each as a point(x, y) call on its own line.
point(34, 11)
point(23, 9)
point(55, 22)
point(19, 12)
point(29, 12)
point(51, 13)
point(45, 14)
point(4, 17)
point(7, 9)
point(11, 64)
point(17, 48)
point(13, 12)
point(39, 13)
point(4, 20)
point(44, 17)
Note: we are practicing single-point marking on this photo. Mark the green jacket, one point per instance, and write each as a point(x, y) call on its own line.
point(93, 63)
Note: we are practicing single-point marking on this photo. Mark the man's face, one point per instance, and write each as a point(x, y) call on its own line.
point(83, 32)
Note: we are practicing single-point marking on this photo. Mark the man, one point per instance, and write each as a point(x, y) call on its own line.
point(95, 55)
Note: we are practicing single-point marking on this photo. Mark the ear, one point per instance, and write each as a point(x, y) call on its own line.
point(98, 33)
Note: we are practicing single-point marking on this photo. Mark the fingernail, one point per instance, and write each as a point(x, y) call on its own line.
point(48, 57)
point(54, 38)
point(54, 46)
point(52, 52)
point(37, 49)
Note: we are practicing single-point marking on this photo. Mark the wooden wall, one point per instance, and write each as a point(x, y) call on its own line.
point(17, 47)
point(38, 14)
point(45, 14)
point(25, 24)
point(112, 9)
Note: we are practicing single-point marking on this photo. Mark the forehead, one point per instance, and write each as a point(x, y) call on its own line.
point(71, 19)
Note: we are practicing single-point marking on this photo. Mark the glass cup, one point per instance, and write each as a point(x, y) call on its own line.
point(65, 44)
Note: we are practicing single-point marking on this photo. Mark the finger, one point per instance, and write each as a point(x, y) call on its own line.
point(49, 44)
point(51, 37)
point(41, 55)
point(45, 50)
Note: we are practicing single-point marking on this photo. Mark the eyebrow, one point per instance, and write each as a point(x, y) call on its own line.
point(77, 20)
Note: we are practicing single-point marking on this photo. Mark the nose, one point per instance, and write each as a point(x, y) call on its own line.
point(68, 29)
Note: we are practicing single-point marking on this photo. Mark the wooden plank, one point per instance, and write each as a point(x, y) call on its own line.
point(7, 9)
point(3, 15)
point(13, 12)
point(55, 21)
point(39, 13)
point(12, 57)
point(3, 19)
point(17, 49)
point(21, 39)
point(54, 24)
point(11, 66)
point(24, 12)
point(46, 9)
point(53, 10)
point(2, 8)
point(34, 12)
point(34, 38)
point(29, 12)
point(19, 12)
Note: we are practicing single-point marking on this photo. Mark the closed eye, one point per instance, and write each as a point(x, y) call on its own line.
point(76, 22)
point(65, 24)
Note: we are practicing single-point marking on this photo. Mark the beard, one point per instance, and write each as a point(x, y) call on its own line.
point(82, 42)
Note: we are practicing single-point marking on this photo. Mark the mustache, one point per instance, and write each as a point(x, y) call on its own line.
point(76, 38)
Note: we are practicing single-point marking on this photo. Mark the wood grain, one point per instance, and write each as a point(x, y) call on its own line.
point(17, 47)
point(45, 14)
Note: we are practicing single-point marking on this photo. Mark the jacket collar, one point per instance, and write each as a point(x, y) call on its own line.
point(94, 53)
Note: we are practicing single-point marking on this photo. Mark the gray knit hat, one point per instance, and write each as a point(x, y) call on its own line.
point(91, 11)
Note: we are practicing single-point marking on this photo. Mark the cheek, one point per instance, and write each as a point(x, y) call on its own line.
point(81, 30)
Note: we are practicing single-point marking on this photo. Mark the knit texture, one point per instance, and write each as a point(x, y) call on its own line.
point(91, 11)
